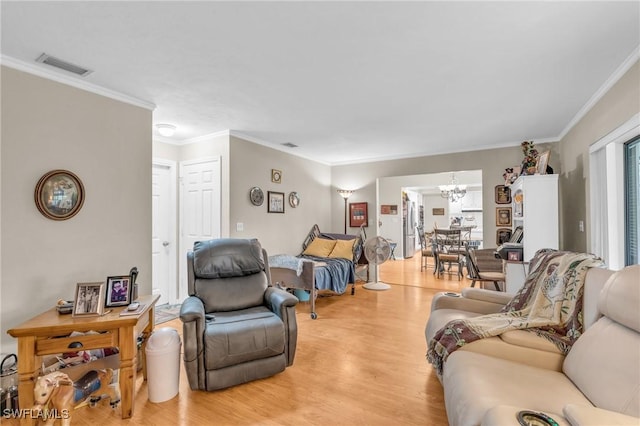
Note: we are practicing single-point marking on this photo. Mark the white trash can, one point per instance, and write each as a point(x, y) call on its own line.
point(163, 364)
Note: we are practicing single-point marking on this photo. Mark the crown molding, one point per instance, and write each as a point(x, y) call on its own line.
point(40, 71)
point(608, 84)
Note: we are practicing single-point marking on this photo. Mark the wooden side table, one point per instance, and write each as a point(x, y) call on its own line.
point(46, 334)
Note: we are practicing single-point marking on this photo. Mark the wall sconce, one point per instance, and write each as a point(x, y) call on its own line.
point(166, 130)
point(345, 193)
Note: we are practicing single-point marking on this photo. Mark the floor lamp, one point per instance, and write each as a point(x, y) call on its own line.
point(345, 193)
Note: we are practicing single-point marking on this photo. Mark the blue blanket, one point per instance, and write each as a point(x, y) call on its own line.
point(335, 275)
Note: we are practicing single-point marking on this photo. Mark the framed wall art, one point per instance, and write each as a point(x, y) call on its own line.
point(437, 211)
point(118, 291)
point(59, 194)
point(543, 161)
point(358, 215)
point(388, 209)
point(503, 235)
point(89, 299)
point(503, 216)
point(503, 194)
point(276, 176)
point(275, 202)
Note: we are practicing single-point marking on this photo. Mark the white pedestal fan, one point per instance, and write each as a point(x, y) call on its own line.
point(377, 250)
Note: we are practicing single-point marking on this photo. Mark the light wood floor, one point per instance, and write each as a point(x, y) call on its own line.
point(362, 362)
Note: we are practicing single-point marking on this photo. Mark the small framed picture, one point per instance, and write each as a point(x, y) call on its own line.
point(89, 299)
point(503, 216)
point(513, 255)
point(275, 202)
point(543, 161)
point(118, 291)
point(276, 176)
point(389, 209)
point(358, 214)
point(503, 235)
point(437, 211)
point(503, 194)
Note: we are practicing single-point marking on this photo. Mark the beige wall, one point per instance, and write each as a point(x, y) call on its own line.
point(492, 162)
point(616, 107)
point(48, 125)
point(251, 165)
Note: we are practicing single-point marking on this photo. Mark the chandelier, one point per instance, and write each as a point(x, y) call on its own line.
point(453, 192)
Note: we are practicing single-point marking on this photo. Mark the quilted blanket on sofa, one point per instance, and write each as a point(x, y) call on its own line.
point(549, 304)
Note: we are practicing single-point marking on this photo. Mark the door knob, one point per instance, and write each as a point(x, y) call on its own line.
point(165, 243)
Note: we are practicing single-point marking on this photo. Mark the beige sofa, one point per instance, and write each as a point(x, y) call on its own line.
point(598, 382)
point(516, 345)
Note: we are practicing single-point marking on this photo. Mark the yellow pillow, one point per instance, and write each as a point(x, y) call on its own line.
point(320, 247)
point(343, 249)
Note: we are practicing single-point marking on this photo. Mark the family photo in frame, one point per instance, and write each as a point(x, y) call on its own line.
point(89, 299)
point(118, 291)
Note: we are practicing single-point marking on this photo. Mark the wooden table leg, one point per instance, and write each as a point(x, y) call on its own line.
point(128, 361)
point(26, 375)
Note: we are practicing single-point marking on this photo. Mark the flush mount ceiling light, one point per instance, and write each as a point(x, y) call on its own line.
point(167, 130)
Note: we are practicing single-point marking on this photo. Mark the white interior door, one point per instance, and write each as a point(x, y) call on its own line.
point(163, 247)
point(200, 208)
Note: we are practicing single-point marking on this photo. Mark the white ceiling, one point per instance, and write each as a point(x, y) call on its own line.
point(345, 81)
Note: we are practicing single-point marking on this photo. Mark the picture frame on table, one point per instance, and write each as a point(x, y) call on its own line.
point(542, 163)
point(503, 216)
point(502, 194)
point(275, 202)
point(119, 291)
point(89, 299)
point(358, 214)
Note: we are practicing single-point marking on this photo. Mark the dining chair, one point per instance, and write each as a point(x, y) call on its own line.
point(449, 251)
point(426, 249)
point(475, 274)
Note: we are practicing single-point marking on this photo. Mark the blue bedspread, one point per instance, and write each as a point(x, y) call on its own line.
point(335, 275)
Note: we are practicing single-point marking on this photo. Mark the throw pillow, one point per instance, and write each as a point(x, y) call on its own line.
point(343, 249)
point(320, 247)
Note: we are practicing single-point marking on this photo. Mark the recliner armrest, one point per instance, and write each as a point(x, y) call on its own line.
point(278, 299)
point(192, 315)
point(487, 295)
point(580, 415)
point(284, 304)
point(192, 309)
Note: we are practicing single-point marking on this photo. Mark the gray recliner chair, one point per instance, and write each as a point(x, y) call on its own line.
point(236, 326)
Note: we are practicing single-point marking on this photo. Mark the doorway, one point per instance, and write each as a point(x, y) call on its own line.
point(200, 207)
point(430, 209)
point(163, 230)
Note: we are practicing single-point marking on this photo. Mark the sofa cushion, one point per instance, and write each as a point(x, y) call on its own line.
point(474, 383)
point(233, 338)
point(529, 339)
point(603, 362)
point(620, 298)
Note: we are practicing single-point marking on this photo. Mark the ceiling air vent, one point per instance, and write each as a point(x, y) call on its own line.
point(63, 65)
point(290, 145)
